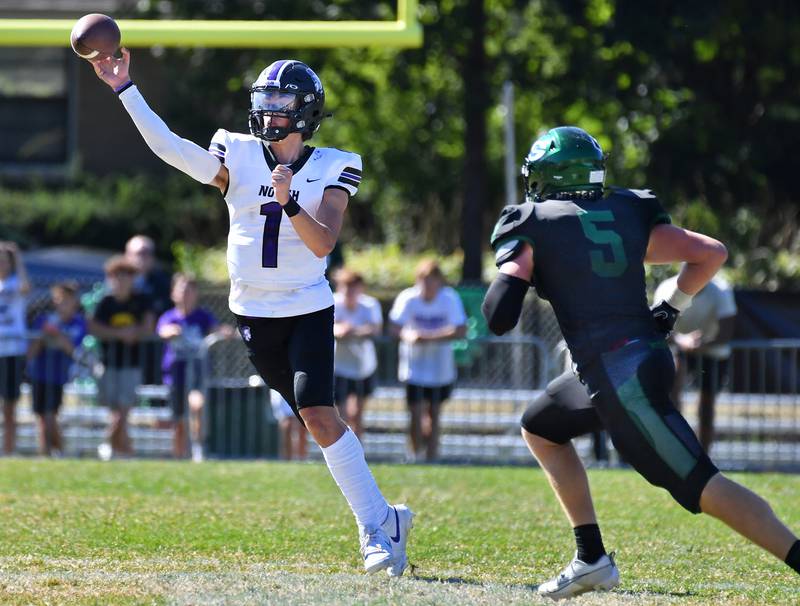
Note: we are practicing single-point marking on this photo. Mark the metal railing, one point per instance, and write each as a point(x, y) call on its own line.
point(757, 423)
point(84, 415)
point(757, 408)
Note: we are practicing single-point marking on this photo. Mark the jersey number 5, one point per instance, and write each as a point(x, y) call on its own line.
point(608, 237)
point(272, 228)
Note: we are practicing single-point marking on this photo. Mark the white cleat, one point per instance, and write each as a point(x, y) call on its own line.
point(579, 577)
point(104, 451)
point(376, 549)
point(397, 526)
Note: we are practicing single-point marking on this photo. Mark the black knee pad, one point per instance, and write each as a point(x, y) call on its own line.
point(313, 392)
point(542, 419)
point(562, 412)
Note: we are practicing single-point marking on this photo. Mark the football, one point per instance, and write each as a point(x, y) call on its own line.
point(95, 36)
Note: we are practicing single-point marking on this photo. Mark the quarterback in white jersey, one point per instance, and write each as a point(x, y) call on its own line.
point(286, 202)
point(273, 272)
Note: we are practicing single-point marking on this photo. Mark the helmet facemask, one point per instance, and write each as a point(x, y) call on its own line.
point(274, 102)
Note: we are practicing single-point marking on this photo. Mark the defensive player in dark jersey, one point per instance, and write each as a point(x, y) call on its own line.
point(583, 248)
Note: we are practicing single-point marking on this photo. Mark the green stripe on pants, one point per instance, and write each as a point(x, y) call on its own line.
point(668, 447)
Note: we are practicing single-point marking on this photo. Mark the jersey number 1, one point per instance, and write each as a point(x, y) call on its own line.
point(272, 228)
point(608, 237)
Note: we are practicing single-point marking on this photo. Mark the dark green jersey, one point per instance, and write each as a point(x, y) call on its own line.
point(589, 263)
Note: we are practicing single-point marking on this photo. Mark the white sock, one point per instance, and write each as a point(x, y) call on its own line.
point(345, 459)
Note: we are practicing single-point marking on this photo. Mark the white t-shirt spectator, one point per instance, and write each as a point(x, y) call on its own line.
point(428, 364)
point(12, 318)
point(709, 306)
point(355, 358)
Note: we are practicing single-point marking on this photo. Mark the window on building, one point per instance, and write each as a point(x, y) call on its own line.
point(34, 109)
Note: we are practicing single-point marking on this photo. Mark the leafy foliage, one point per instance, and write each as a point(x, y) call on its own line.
point(103, 213)
point(694, 99)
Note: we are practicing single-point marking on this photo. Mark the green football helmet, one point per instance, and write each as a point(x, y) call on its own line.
point(565, 162)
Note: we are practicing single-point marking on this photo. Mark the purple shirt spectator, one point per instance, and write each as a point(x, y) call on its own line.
point(52, 365)
point(194, 327)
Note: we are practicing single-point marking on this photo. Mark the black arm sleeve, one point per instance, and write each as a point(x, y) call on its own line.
point(502, 304)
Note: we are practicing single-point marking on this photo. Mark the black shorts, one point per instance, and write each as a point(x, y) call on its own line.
point(344, 387)
point(46, 397)
point(435, 395)
point(11, 369)
point(293, 355)
point(712, 372)
point(630, 388)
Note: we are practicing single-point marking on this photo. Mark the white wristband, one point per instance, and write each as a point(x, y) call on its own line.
point(184, 155)
point(679, 299)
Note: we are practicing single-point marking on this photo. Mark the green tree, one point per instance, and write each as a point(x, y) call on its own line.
point(694, 99)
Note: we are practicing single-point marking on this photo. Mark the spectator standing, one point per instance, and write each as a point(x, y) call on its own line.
point(293, 435)
point(122, 321)
point(426, 318)
point(183, 328)
point(14, 288)
point(357, 319)
point(701, 341)
point(151, 280)
point(155, 283)
point(50, 361)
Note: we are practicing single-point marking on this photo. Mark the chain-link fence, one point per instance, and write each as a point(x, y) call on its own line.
point(756, 425)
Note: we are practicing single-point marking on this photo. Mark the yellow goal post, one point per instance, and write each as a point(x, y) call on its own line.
point(404, 32)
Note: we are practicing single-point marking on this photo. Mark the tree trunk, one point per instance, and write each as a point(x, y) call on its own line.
point(476, 101)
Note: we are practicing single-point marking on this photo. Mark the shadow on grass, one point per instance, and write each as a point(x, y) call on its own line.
point(470, 582)
point(663, 592)
point(533, 587)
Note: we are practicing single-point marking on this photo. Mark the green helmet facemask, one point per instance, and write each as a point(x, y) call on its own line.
point(565, 162)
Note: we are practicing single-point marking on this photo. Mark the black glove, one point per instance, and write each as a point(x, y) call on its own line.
point(665, 317)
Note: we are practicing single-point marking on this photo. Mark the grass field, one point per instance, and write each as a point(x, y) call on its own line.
point(81, 532)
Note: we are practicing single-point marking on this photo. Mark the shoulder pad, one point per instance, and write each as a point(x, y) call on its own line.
point(239, 136)
point(511, 218)
point(633, 193)
point(335, 152)
point(507, 250)
point(219, 144)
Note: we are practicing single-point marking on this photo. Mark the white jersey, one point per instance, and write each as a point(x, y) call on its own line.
point(273, 273)
point(713, 303)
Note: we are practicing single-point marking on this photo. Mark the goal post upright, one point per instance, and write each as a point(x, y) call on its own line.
point(404, 32)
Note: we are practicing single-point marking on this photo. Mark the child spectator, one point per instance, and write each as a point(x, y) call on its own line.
point(293, 434)
point(426, 318)
point(121, 321)
point(14, 287)
point(357, 318)
point(183, 328)
point(50, 360)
